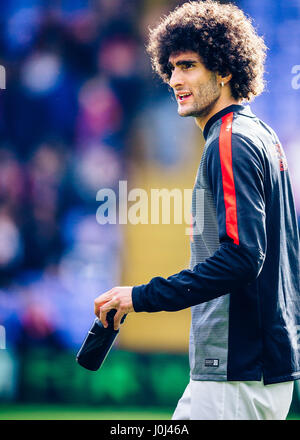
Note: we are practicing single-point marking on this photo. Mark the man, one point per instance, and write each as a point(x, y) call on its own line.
point(243, 281)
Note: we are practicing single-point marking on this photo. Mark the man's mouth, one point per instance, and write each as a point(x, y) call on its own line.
point(183, 96)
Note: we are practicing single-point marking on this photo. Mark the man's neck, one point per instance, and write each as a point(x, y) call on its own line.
point(219, 105)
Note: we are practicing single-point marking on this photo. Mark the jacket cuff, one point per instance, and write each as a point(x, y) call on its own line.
point(137, 295)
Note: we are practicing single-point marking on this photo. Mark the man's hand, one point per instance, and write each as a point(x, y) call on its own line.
point(119, 298)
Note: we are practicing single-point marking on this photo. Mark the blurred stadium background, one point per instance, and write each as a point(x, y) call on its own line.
point(82, 111)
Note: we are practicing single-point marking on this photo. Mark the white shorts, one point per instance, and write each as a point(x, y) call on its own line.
point(211, 400)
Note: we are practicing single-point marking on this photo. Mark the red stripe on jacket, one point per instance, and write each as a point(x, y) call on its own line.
point(225, 148)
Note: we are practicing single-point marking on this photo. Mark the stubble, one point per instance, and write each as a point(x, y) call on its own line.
point(205, 98)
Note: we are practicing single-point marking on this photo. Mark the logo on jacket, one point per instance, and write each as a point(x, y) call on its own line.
point(211, 362)
point(281, 157)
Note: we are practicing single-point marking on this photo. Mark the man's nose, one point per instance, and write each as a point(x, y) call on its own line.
point(176, 79)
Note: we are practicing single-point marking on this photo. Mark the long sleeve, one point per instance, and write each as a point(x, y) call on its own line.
point(235, 173)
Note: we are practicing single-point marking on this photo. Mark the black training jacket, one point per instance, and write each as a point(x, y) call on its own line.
point(243, 280)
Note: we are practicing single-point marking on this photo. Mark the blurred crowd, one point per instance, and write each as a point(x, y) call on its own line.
point(77, 75)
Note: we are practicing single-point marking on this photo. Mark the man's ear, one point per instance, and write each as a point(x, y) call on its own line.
point(224, 79)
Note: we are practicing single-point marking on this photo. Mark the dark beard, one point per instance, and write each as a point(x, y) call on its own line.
point(204, 111)
point(211, 89)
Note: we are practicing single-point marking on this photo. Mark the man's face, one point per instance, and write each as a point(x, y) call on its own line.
point(195, 87)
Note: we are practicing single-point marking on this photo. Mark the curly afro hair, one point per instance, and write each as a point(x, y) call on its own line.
point(223, 37)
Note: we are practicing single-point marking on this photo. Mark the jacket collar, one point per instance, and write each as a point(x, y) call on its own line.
point(219, 115)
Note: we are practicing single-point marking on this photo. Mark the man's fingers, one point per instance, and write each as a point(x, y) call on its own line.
point(104, 310)
point(100, 300)
point(117, 319)
point(102, 316)
point(119, 298)
point(97, 308)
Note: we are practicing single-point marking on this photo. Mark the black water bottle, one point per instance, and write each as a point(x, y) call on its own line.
point(98, 343)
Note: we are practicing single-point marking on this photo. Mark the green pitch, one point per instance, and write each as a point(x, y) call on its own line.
point(68, 412)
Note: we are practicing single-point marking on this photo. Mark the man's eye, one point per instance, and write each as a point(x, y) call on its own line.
point(187, 66)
